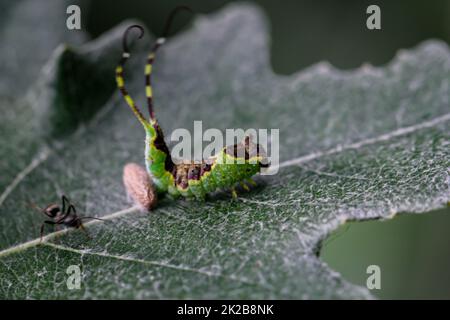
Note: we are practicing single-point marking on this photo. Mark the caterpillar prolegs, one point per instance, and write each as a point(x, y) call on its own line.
point(233, 165)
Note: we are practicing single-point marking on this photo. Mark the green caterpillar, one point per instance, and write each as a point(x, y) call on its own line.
point(233, 165)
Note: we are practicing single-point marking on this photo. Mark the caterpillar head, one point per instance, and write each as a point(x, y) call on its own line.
point(255, 151)
point(250, 152)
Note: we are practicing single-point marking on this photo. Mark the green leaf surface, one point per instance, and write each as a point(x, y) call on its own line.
point(354, 145)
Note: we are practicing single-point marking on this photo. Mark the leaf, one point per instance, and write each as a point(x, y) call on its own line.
point(30, 32)
point(354, 145)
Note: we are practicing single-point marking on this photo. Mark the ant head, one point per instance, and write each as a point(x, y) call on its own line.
point(52, 210)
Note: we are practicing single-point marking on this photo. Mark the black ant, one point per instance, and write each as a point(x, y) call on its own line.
point(67, 216)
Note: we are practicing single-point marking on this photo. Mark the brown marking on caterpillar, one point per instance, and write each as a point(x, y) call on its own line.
point(190, 171)
point(139, 186)
point(161, 145)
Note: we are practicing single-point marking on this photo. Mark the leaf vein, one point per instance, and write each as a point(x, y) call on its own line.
point(40, 158)
point(358, 145)
point(149, 262)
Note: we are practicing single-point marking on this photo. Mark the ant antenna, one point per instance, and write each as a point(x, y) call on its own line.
point(35, 207)
point(94, 218)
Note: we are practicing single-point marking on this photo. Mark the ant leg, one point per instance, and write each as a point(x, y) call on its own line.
point(63, 209)
point(42, 232)
point(43, 225)
point(56, 231)
point(73, 208)
point(64, 201)
point(84, 230)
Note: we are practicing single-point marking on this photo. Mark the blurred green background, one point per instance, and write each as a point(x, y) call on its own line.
point(412, 251)
point(305, 32)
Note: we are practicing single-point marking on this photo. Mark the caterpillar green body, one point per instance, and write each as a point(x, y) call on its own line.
point(232, 165)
